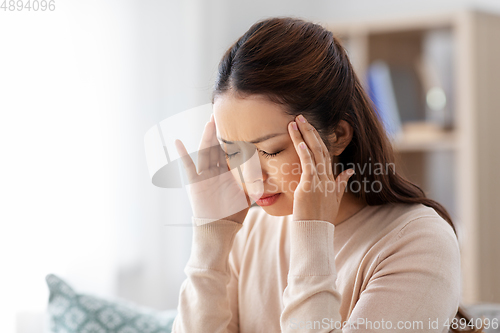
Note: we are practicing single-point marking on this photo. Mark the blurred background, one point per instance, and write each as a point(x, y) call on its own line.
point(81, 85)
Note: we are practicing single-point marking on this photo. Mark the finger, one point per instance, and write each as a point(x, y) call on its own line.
point(341, 181)
point(315, 144)
point(328, 158)
point(224, 159)
point(305, 156)
point(306, 160)
point(297, 137)
point(215, 150)
point(221, 155)
point(188, 163)
point(204, 149)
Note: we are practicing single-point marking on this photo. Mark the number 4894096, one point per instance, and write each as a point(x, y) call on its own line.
point(28, 5)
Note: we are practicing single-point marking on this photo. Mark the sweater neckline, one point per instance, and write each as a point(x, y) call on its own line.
point(359, 215)
point(356, 217)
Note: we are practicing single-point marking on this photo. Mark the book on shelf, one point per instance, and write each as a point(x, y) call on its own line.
point(399, 92)
point(382, 94)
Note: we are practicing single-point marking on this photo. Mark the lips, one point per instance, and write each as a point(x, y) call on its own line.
point(264, 195)
point(268, 200)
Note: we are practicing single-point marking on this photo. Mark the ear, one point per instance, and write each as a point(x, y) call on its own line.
point(341, 137)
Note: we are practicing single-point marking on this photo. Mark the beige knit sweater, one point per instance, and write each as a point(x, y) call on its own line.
point(387, 268)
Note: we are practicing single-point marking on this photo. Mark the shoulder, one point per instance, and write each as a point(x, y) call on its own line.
point(414, 257)
point(417, 222)
point(396, 220)
point(394, 234)
point(418, 235)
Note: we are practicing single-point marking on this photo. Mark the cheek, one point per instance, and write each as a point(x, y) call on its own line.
point(287, 174)
point(290, 166)
point(236, 175)
point(290, 169)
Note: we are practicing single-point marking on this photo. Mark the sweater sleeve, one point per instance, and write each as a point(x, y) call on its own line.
point(415, 286)
point(206, 299)
point(310, 294)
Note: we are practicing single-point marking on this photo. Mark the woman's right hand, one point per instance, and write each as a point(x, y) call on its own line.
point(213, 190)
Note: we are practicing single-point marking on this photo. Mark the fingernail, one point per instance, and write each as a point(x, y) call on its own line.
point(302, 119)
point(212, 117)
point(350, 172)
point(294, 125)
point(302, 145)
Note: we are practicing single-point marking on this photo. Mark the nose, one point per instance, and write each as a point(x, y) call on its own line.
point(251, 169)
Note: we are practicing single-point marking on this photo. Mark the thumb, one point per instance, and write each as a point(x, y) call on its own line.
point(343, 178)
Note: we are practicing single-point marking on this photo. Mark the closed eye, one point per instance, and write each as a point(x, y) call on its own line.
point(265, 154)
point(229, 156)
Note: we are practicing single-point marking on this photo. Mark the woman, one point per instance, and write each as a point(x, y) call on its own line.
point(328, 250)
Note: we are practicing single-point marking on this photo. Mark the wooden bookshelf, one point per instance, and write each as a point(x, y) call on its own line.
point(457, 166)
point(424, 137)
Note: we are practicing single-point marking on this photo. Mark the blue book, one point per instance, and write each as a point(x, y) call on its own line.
point(381, 92)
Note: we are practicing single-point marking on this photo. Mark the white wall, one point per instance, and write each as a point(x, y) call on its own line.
point(63, 81)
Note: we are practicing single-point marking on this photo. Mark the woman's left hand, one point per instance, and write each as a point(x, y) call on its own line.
point(318, 194)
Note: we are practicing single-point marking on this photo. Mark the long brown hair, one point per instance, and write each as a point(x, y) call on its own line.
point(303, 67)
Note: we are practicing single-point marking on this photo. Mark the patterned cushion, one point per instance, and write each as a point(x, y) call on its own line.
point(70, 312)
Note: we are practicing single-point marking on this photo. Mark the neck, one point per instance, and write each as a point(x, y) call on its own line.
point(349, 205)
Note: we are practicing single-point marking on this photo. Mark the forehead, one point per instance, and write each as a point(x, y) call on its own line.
point(246, 119)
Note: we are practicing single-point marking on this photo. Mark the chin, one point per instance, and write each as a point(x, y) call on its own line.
point(278, 210)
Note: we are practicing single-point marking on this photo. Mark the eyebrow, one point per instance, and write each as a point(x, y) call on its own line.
point(259, 140)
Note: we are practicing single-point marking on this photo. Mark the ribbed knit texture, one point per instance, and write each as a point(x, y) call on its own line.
point(397, 263)
point(212, 240)
point(309, 240)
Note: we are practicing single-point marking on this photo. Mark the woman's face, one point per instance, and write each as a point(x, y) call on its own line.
point(245, 120)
